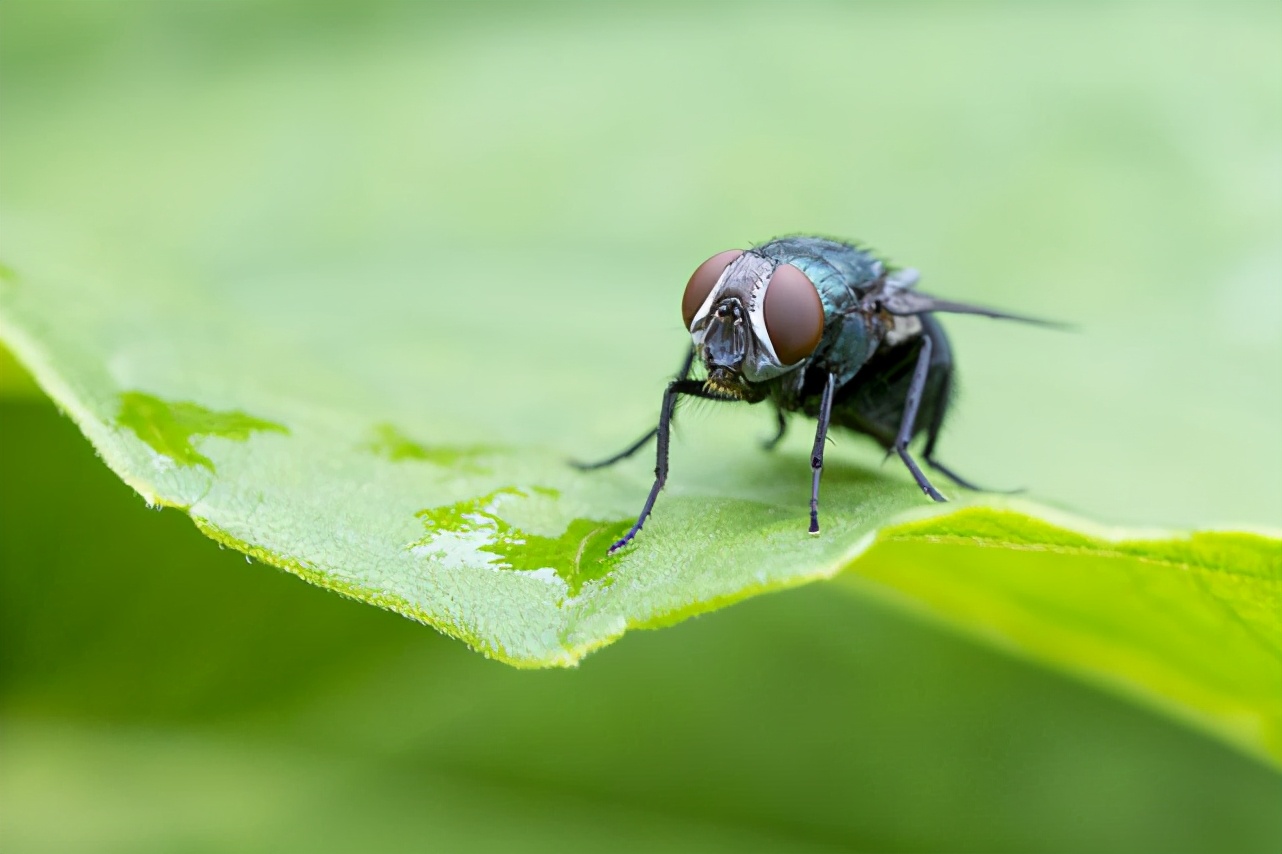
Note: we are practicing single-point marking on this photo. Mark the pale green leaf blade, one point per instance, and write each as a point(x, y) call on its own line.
point(1190, 624)
point(504, 546)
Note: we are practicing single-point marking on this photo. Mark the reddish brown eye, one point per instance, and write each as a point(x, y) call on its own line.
point(703, 281)
point(794, 314)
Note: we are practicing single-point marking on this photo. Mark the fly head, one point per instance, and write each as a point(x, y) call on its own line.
point(751, 319)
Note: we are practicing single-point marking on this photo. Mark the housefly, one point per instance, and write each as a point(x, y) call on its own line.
point(822, 327)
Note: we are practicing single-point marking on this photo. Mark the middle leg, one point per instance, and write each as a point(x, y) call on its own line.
point(781, 427)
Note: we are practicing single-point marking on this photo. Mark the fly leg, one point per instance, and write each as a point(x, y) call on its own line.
point(932, 436)
point(621, 455)
point(644, 440)
point(781, 427)
point(675, 388)
point(932, 433)
point(963, 482)
point(817, 453)
point(910, 418)
point(952, 475)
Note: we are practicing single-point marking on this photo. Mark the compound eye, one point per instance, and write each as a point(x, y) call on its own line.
point(703, 281)
point(793, 313)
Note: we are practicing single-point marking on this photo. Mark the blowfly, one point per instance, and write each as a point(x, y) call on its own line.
point(822, 327)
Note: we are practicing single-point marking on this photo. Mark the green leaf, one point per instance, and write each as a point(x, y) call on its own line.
point(170, 429)
point(505, 547)
point(238, 719)
point(1190, 623)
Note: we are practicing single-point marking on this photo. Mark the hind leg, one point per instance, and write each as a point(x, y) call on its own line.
point(909, 420)
point(936, 424)
point(941, 401)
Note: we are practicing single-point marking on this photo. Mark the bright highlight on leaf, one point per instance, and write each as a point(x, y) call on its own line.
point(458, 532)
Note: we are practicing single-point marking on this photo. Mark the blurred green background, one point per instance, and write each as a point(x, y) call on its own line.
point(1115, 165)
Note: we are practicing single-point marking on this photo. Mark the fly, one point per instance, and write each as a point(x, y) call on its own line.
point(821, 327)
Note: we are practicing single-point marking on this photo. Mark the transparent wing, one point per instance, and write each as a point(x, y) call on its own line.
point(895, 295)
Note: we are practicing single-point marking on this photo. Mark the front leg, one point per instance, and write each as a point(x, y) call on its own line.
point(683, 373)
point(693, 388)
point(817, 454)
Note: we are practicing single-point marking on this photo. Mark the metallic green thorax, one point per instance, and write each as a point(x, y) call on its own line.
point(842, 273)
